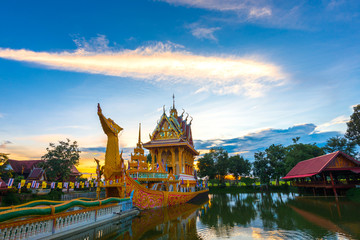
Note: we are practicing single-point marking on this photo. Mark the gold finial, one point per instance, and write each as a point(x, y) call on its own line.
point(139, 140)
point(164, 109)
point(191, 120)
point(173, 101)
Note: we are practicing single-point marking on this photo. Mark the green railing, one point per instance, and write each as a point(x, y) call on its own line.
point(143, 175)
point(32, 210)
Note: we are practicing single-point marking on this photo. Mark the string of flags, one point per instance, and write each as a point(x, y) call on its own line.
point(72, 185)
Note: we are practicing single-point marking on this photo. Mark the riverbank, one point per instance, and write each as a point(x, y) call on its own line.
point(251, 189)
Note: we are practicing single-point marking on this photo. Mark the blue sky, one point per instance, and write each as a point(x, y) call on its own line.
point(246, 71)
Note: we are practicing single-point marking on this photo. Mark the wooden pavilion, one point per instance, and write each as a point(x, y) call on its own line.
point(335, 171)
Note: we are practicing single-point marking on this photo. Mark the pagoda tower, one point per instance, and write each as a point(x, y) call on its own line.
point(171, 145)
point(138, 159)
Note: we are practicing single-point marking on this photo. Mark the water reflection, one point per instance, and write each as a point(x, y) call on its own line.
point(249, 216)
point(279, 215)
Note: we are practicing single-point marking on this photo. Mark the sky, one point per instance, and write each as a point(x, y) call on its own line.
point(250, 73)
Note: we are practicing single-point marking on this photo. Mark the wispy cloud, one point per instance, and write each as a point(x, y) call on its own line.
point(205, 33)
point(260, 12)
point(248, 6)
point(289, 14)
point(1, 115)
point(334, 124)
point(4, 143)
point(163, 62)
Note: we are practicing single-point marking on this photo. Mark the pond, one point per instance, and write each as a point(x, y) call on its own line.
point(246, 216)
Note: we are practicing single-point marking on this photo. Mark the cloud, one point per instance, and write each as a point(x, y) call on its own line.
point(288, 14)
point(248, 6)
point(94, 149)
point(1, 115)
point(163, 63)
point(258, 141)
point(4, 143)
point(259, 12)
point(205, 33)
point(335, 124)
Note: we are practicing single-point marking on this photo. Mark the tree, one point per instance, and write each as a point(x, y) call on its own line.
point(59, 160)
point(221, 159)
point(340, 144)
point(3, 159)
point(239, 166)
point(148, 158)
point(276, 157)
point(298, 152)
point(353, 126)
point(206, 166)
point(262, 168)
point(214, 163)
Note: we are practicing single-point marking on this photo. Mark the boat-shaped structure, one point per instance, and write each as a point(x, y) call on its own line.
point(168, 178)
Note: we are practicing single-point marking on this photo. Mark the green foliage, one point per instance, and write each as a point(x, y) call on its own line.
point(239, 166)
point(276, 156)
point(10, 198)
point(353, 194)
point(340, 144)
point(59, 160)
point(248, 181)
point(149, 158)
point(221, 159)
point(206, 166)
point(215, 163)
point(3, 159)
point(298, 152)
point(353, 126)
point(262, 168)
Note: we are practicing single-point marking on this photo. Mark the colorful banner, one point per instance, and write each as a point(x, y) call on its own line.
point(10, 183)
point(23, 183)
point(28, 185)
point(59, 185)
point(33, 184)
point(52, 185)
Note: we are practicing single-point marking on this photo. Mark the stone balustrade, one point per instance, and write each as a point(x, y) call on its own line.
point(44, 227)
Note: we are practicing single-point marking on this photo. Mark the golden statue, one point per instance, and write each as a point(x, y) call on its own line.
point(113, 160)
point(99, 172)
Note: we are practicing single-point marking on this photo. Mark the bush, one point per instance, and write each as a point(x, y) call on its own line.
point(10, 198)
point(353, 194)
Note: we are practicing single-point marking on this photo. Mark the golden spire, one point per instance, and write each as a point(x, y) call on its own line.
point(173, 101)
point(173, 111)
point(139, 140)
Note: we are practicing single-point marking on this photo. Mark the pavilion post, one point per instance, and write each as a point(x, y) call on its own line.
point(333, 185)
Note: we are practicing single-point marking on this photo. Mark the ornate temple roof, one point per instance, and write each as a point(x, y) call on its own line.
point(172, 130)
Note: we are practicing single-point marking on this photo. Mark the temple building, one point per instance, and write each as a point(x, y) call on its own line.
point(171, 145)
point(334, 172)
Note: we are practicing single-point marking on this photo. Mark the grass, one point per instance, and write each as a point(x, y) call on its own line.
point(241, 184)
point(243, 188)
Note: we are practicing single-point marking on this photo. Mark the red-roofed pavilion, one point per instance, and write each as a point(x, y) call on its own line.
point(335, 171)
